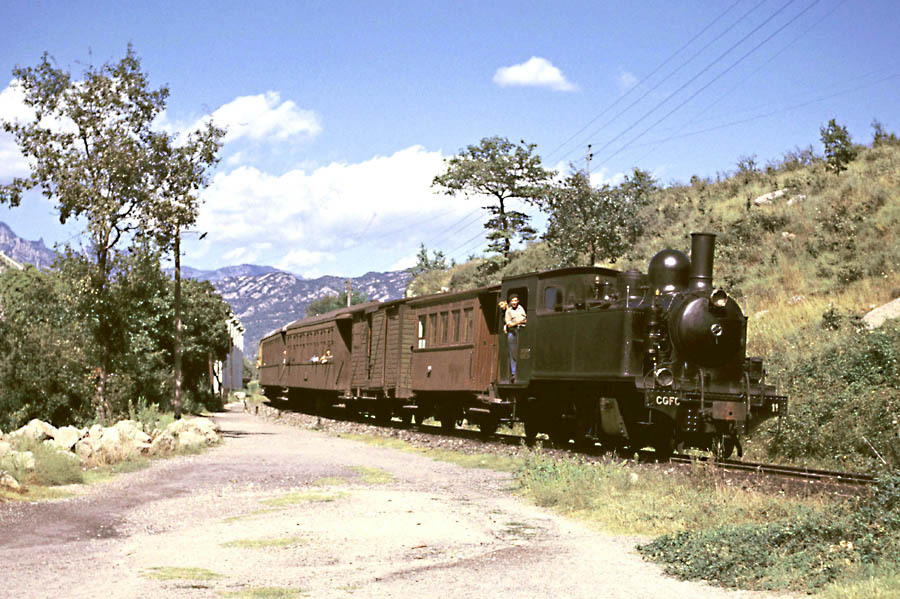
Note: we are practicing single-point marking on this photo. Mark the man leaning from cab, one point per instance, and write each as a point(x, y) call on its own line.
point(513, 319)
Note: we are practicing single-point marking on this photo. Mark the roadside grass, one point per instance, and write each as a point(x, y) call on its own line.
point(301, 497)
point(330, 481)
point(703, 528)
point(265, 543)
point(265, 593)
point(702, 524)
point(99, 474)
point(180, 573)
point(486, 461)
point(52, 467)
point(373, 476)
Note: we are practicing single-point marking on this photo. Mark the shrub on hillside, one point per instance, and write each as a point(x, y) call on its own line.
point(845, 404)
point(804, 552)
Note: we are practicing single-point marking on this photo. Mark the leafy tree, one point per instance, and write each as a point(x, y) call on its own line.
point(425, 264)
point(333, 302)
point(880, 137)
point(595, 223)
point(94, 151)
point(500, 170)
point(205, 338)
point(839, 150)
point(44, 368)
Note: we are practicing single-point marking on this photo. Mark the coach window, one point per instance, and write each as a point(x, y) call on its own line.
point(445, 327)
point(421, 332)
point(467, 325)
point(454, 326)
point(432, 330)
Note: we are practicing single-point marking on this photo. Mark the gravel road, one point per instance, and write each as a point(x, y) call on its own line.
point(281, 506)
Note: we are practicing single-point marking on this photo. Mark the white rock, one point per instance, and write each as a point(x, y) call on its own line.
point(131, 430)
point(190, 439)
point(767, 198)
point(35, 429)
point(202, 427)
point(22, 460)
point(67, 436)
point(163, 444)
point(788, 236)
point(5, 448)
point(84, 449)
point(796, 199)
point(7, 480)
point(879, 315)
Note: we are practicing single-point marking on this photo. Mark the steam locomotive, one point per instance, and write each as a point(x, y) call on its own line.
point(624, 359)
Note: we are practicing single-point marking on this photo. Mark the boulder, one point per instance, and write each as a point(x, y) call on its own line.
point(796, 199)
point(190, 440)
point(35, 429)
point(788, 236)
point(84, 449)
point(879, 315)
point(22, 460)
point(203, 427)
point(8, 481)
point(163, 444)
point(66, 437)
point(768, 198)
point(131, 430)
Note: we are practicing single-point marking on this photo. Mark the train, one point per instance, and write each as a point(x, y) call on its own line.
point(623, 359)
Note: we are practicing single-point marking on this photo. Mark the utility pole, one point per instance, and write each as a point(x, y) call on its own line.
point(349, 291)
point(588, 161)
point(177, 402)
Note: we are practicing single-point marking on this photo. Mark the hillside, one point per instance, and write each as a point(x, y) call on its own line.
point(809, 252)
point(24, 251)
point(271, 300)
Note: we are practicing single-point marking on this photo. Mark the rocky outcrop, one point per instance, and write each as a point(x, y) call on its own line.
point(881, 314)
point(102, 445)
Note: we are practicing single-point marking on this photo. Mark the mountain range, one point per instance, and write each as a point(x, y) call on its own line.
point(264, 298)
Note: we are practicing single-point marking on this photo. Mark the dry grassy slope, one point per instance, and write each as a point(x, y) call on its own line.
point(829, 241)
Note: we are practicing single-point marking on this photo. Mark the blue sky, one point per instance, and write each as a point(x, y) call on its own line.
point(340, 114)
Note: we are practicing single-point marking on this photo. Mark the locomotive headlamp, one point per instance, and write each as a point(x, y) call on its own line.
point(718, 298)
point(664, 377)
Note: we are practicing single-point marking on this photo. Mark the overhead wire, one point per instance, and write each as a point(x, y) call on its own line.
point(716, 78)
point(645, 79)
point(681, 88)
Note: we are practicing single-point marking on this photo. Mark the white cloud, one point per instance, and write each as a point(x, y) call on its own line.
point(263, 117)
point(368, 213)
point(535, 72)
point(625, 81)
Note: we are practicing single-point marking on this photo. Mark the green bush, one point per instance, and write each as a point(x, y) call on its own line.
point(805, 552)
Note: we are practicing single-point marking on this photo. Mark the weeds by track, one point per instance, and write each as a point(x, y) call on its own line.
point(845, 480)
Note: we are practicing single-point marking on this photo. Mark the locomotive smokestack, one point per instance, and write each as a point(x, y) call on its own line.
point(703, 246)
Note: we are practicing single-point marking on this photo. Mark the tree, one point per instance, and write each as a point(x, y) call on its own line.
point(44, 370)
point(328, 303)
point(502, 171)
point(425, 264)
point(93, 150)
point(839, 150)
point(595, 223)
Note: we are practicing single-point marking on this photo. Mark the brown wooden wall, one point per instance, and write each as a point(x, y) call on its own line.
point(455, 343)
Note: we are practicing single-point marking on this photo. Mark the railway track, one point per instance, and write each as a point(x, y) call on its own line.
point(797, 473)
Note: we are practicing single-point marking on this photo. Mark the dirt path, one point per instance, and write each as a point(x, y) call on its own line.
point(278, 506)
